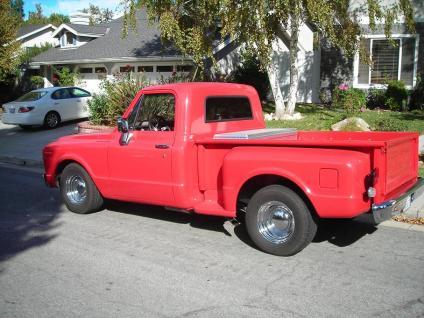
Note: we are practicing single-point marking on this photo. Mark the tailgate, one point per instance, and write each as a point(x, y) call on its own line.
point(401, 162)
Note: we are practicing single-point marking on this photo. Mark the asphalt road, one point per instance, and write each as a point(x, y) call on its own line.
point(141, 261)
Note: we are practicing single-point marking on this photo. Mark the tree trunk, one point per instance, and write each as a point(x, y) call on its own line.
point(276, 91)
point(273, 70)
point(294, 73)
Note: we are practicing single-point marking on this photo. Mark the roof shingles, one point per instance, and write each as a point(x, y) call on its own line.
point(144, 43)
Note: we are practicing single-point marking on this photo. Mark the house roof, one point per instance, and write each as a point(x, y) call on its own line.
point(144, 43)
point(81, 29)
point(27, 30)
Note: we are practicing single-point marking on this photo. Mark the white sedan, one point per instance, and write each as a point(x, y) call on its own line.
point(47, 106)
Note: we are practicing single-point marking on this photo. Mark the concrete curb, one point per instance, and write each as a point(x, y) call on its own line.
point(21, 162)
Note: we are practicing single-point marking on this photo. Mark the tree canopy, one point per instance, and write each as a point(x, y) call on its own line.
point(98, 15)
point(38, 17)
point(18, 8)
point(193, 25)
point(8, 46)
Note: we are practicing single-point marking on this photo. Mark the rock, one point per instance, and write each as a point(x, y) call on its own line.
point(421, 145)
point(295, 116)
point(351, 124)
point(269, 116)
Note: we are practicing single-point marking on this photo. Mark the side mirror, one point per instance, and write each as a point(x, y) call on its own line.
point(122, 125)
point(125, 130)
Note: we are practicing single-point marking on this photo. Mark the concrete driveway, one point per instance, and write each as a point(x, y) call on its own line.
point(24, 146)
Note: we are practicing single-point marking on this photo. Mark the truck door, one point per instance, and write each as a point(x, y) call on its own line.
point(141, 170)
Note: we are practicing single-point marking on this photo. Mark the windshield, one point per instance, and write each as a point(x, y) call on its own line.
point(31, 96)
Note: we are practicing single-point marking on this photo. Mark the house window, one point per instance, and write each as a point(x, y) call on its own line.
point(126, 69)
point(165, 68)
point(145, 69)
point(100, 70)
point(390, 60)
point(85, 70)
point(184, 68)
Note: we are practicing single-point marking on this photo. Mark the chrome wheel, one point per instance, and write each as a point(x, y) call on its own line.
point(76, 189)
point(52, 120)
point(275, 222)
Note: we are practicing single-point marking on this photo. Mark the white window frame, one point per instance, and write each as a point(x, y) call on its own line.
point(380, 37)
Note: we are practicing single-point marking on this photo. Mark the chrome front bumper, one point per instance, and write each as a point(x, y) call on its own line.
point(384, 211)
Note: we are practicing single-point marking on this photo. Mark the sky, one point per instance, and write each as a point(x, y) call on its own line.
point(67, 6)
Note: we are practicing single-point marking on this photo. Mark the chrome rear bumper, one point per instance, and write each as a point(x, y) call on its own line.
point(384, 211)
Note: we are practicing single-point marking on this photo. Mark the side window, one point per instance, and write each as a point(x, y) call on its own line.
point(77, 92)
point(61, 94)
point(156, 112)
point(227, 108)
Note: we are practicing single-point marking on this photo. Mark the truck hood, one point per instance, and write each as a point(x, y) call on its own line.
point(82, 138)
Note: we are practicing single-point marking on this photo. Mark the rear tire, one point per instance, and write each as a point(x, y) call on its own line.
point(52, 120)
point(279, 222)
point(78, 190)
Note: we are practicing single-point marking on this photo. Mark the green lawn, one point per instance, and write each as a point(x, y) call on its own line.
point(321, 118)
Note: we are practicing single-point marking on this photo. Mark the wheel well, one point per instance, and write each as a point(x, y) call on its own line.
point(61, 166)
point(251, 186)
point(52, 111)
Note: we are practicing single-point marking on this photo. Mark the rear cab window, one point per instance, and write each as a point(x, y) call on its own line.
point(227, 108)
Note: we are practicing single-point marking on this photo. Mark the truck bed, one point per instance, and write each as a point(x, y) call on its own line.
point(394, 153)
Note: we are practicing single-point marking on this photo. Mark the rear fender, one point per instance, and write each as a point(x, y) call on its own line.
point(332, 179)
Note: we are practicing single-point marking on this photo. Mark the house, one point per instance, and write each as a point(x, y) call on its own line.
point(36, 35)
point(322, 67)
point(403, 61)
point(100, 51)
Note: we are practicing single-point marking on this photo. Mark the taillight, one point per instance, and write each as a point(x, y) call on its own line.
point(25, 109)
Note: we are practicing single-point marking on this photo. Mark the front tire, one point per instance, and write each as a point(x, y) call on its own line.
point(78, 190)
point(279, 222)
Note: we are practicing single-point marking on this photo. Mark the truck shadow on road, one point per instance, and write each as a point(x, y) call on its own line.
point(204, 222)
point(338, 232)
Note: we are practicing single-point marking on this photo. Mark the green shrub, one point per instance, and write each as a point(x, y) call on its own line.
point(118, 94)
point(37, 81)
point(351, 100)
point(376, 98)
point(65, 77)
point(396, 95)
point(389, 124)
point(98, 107)
point(417, 95)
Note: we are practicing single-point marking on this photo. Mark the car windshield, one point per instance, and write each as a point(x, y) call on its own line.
point(31, 96)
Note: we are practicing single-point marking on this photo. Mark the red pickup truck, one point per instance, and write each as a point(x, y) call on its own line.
point(203, 148)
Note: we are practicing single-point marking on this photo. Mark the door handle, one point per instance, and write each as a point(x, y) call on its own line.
point(161, 146)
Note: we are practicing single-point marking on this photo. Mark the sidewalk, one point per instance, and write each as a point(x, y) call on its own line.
point(24, 147)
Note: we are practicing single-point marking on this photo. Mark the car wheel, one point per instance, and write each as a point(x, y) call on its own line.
point(79, 191)
point(52, 120)
point(279, 222)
